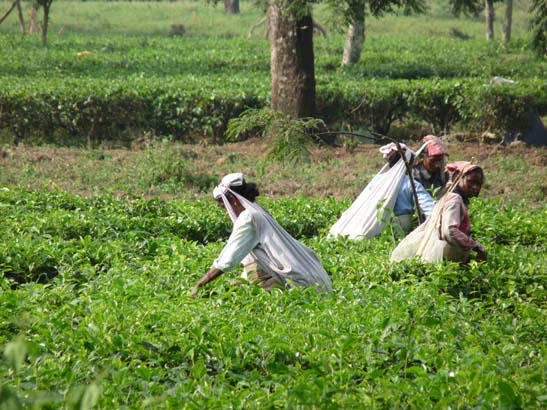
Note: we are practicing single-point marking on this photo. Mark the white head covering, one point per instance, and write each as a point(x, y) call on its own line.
point(385, 150)
point(229, 181)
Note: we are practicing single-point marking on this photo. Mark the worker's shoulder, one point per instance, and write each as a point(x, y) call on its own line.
point(255, 215)
point(452, 197)
point(250, 215)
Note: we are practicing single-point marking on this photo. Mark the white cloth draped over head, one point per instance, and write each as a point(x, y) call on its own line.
point(367, 216)
point(282, 256)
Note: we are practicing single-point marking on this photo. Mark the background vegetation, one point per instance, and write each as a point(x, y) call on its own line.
point(100, 81)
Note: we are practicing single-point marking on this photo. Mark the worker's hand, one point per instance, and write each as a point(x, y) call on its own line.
point(481, 253)
point(208, 277)
point(194, 292)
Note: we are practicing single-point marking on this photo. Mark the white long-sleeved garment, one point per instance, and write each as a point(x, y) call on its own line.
point(242, 241)
point(276, 252)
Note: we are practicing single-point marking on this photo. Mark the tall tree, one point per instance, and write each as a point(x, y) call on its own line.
point(21, 18)
point(507, 21)
point(539, 26)
point(474, 7)
point(355, 36)
point(489, 17)
point(32, 26)
point(291, 57)
point(292, 66)
point(15, 4)
point(46, 5)
point(354, 12)
point(231, 6)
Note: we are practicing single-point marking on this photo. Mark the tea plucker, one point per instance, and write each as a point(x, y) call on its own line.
point(446, 234)
point(429, 172)
point(404, 207)
point(455, 222)
point(281, 261)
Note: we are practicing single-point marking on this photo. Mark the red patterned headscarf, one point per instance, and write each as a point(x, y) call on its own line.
point(435, 146)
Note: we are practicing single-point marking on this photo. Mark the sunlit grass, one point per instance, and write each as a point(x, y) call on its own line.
point(202, 19)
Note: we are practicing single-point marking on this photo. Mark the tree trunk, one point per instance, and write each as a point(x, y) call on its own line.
point(45, 24)
point(5, 16)
point(354, 38)
point(489, 16)
point(291, 61)
point(508, 21)
point(231, 6)
point(21, 18)
point(32, 28)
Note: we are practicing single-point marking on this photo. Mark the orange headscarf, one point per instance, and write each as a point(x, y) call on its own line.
point(463, 167)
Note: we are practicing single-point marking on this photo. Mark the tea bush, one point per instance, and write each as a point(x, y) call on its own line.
point(114, 327)
point(187, 89)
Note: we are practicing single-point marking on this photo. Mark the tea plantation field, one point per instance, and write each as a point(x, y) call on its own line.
point(95, 311)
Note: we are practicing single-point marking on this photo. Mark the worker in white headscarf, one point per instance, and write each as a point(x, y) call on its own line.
point(281, 261)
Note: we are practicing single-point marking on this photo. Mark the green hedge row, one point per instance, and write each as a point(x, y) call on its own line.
point(95, 110)
point(45, 231)
point(91, 111)
point(469, 103)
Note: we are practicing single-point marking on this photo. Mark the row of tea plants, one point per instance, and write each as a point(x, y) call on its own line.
point(94, 88)
point(95, 312)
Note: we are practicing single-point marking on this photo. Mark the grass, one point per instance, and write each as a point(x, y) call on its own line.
point(205, 20)
point(190, 171)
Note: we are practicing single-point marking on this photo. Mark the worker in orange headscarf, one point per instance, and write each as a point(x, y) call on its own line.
point(446, 234)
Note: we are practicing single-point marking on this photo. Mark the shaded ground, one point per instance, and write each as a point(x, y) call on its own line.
point(170, 170)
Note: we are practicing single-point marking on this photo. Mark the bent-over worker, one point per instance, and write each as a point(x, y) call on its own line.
point(281, 261)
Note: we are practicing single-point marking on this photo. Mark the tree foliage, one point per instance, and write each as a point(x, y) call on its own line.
point(466, 7)
point(290, 138)
point(539, 26)
point(344, 12)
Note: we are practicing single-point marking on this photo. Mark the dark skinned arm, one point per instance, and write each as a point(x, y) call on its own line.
point(211, 275)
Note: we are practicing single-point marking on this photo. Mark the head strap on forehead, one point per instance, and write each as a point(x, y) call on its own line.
point(220, 191)
point(460, 167)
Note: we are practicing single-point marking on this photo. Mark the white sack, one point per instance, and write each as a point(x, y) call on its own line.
point(367, 215)
point(424, 242)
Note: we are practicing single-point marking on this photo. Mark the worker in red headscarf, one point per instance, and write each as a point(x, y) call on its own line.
point(446, 234)
point(455, 224)
point(429, 171)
